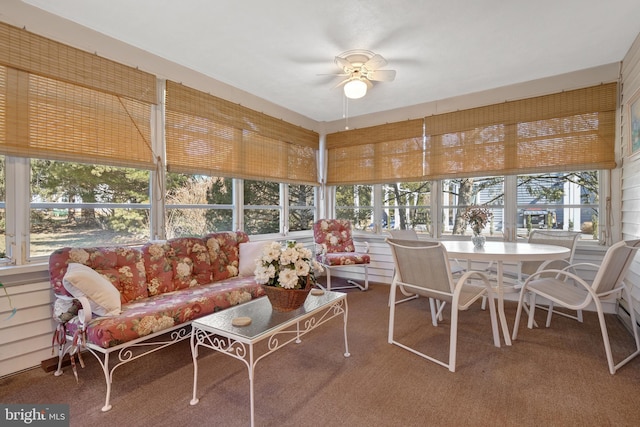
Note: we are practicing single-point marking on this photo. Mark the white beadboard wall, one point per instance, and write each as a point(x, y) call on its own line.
point(629, 216)
point(25, 338)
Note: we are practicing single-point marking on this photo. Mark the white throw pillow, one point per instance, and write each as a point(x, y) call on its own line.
point(249, 253)
point(81, 280)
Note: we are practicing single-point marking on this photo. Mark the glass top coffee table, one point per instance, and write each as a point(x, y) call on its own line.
point(217, 331)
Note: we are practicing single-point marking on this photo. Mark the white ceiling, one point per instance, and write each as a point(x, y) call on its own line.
point(440, 49)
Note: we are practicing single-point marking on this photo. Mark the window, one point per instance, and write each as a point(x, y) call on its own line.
point(197, 205)
point(261, 207)
point(407, 205)
point(355, 203)
point(301, 207)
point(563, 201)
point(75, 204)
point(458, 194)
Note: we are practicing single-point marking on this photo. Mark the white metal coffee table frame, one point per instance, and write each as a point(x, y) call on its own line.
point(216, 331)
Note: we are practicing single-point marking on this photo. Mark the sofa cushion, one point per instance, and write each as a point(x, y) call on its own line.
point(83, 281)
point(123, 266)
point(175, 264)
point(191, 262)
point(165, 311)
point(224, 253)
point(250, 252)
point(159, 268)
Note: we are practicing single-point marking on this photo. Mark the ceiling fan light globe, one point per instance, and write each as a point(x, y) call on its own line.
point(355, 89)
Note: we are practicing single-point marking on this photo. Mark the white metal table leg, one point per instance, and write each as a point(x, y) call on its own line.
point(194, 355)
point(251, 367)
point(346, 345)
point(503, 317)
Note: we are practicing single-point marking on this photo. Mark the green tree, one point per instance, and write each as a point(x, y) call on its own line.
point(220, 192)
point(301, 195)
point(468, 189)
point(353, 202)
point(265, 218)
point(53, 181)
point(407, 197)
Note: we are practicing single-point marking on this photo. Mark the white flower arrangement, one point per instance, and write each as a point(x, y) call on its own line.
point(288, 266)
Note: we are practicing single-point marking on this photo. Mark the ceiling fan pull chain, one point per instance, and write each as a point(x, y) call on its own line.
point(345, 111)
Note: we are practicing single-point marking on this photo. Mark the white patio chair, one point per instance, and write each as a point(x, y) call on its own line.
point(409, 234)
point(564, 238)
point(567, 239)
point(456, 269)
point(566, 289)
point(423, 267)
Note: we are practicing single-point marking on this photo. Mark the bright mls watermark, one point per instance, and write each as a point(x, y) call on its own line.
point(54, 415)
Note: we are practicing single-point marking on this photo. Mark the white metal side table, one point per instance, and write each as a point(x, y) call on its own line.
point(216, 331)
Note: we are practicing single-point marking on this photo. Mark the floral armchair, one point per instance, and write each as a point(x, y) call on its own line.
point(335, 248)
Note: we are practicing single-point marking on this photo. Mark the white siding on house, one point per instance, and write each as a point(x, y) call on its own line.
point(25, 338)
point(630, 173)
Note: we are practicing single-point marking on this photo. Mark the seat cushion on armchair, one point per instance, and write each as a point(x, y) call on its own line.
point(346, 258)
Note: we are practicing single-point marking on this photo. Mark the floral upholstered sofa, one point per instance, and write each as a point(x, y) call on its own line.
point(133, 301)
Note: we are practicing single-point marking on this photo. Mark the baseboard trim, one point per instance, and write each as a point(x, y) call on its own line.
point(51, 364)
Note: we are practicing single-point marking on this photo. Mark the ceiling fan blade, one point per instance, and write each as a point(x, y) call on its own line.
point(376, 61)
point(382, 75)
point(342, 83)
point(334, 74)
point(343, 64)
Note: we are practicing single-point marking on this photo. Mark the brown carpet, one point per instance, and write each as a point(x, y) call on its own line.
point(552, 377)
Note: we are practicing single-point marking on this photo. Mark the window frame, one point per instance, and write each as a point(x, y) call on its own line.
point(509, 207)
point(18, 207)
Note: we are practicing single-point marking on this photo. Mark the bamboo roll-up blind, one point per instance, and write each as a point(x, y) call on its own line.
point(572, 130)
point(22, 50)
point(61, 103)
point(50, 119)
point(209, 135)
point(567, 131)
point(386, 153)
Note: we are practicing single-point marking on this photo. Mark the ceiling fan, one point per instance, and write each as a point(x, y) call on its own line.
point(361, 67)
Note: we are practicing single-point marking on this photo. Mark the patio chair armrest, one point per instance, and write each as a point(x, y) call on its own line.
point(475, 274)
point(582, 264)
point(561, 275)
point(483, 289)
point(545, 265)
